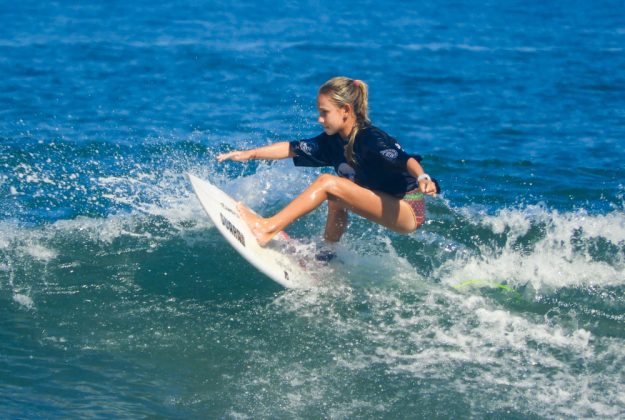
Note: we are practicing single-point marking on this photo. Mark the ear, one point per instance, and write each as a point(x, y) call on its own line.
point(347, 109)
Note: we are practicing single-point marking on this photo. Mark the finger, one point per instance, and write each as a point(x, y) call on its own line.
point(431, 188)
point(423, 187)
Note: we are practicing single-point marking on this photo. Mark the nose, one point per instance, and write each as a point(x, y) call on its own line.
point(320, 120)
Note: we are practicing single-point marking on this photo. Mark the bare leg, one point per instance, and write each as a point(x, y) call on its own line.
point(379, 207)
point(336, 222)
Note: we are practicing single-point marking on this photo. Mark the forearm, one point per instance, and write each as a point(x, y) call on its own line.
point(414, 168)
point(281, 150)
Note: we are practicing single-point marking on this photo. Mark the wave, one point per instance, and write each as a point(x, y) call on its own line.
point(532, 246)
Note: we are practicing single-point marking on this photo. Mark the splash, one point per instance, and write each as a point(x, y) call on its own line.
point(545, 249)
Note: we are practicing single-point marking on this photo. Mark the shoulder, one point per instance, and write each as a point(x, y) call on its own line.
point(321, 139)
point(323, 144)
point(375, 137)
point(379, 144)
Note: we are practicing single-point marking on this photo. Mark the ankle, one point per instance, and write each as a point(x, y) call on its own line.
point(271, 227)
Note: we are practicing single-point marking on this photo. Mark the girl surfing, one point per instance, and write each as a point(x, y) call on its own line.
point(375, 178)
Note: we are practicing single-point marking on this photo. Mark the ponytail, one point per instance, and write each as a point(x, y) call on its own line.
point(343, 91)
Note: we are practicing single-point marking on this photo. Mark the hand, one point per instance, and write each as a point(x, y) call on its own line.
point(427, 186)
point(237, 155)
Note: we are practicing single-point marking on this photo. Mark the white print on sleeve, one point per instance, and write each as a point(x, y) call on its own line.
point(389, 154)
point(307, 147)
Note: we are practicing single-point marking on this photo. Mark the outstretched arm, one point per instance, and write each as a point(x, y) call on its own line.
point(426, 185)
point(281, 150)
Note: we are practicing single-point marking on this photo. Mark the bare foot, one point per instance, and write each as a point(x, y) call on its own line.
point(258, 225)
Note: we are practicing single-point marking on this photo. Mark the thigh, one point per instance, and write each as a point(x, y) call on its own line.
point(382, 208)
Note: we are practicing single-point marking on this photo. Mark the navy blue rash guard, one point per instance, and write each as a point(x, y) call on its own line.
point(381, 161)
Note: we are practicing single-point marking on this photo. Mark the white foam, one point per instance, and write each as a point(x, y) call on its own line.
point(23, 300)
point(40, 252)
point(561, 226)
point(559, 255)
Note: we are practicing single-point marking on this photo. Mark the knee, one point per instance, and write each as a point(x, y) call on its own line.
point(329, 183)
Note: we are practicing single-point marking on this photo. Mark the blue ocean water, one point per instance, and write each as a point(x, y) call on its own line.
point(119, 298)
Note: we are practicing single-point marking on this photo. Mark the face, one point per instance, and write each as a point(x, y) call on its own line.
point(331, 117)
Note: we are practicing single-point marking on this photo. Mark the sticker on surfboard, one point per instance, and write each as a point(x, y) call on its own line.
point(274, 260)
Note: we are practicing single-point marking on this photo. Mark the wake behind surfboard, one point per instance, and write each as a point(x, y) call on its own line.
point(273, 260)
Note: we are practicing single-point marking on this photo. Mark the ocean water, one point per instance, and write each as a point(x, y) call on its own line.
point(118, 298)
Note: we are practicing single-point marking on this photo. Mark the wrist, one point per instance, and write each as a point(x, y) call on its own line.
point(423, 176)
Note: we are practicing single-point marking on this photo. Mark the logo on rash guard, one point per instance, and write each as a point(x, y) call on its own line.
point(389, 154)
point(346, 171)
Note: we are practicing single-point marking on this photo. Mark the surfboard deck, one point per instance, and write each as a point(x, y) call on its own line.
point(273, 260)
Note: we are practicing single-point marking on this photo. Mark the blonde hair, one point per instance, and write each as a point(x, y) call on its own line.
point(343, 91)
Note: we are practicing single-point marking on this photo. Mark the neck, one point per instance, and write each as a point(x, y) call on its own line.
point(347, 129)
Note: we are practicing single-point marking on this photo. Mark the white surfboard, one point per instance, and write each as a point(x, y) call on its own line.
point(271, 260)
